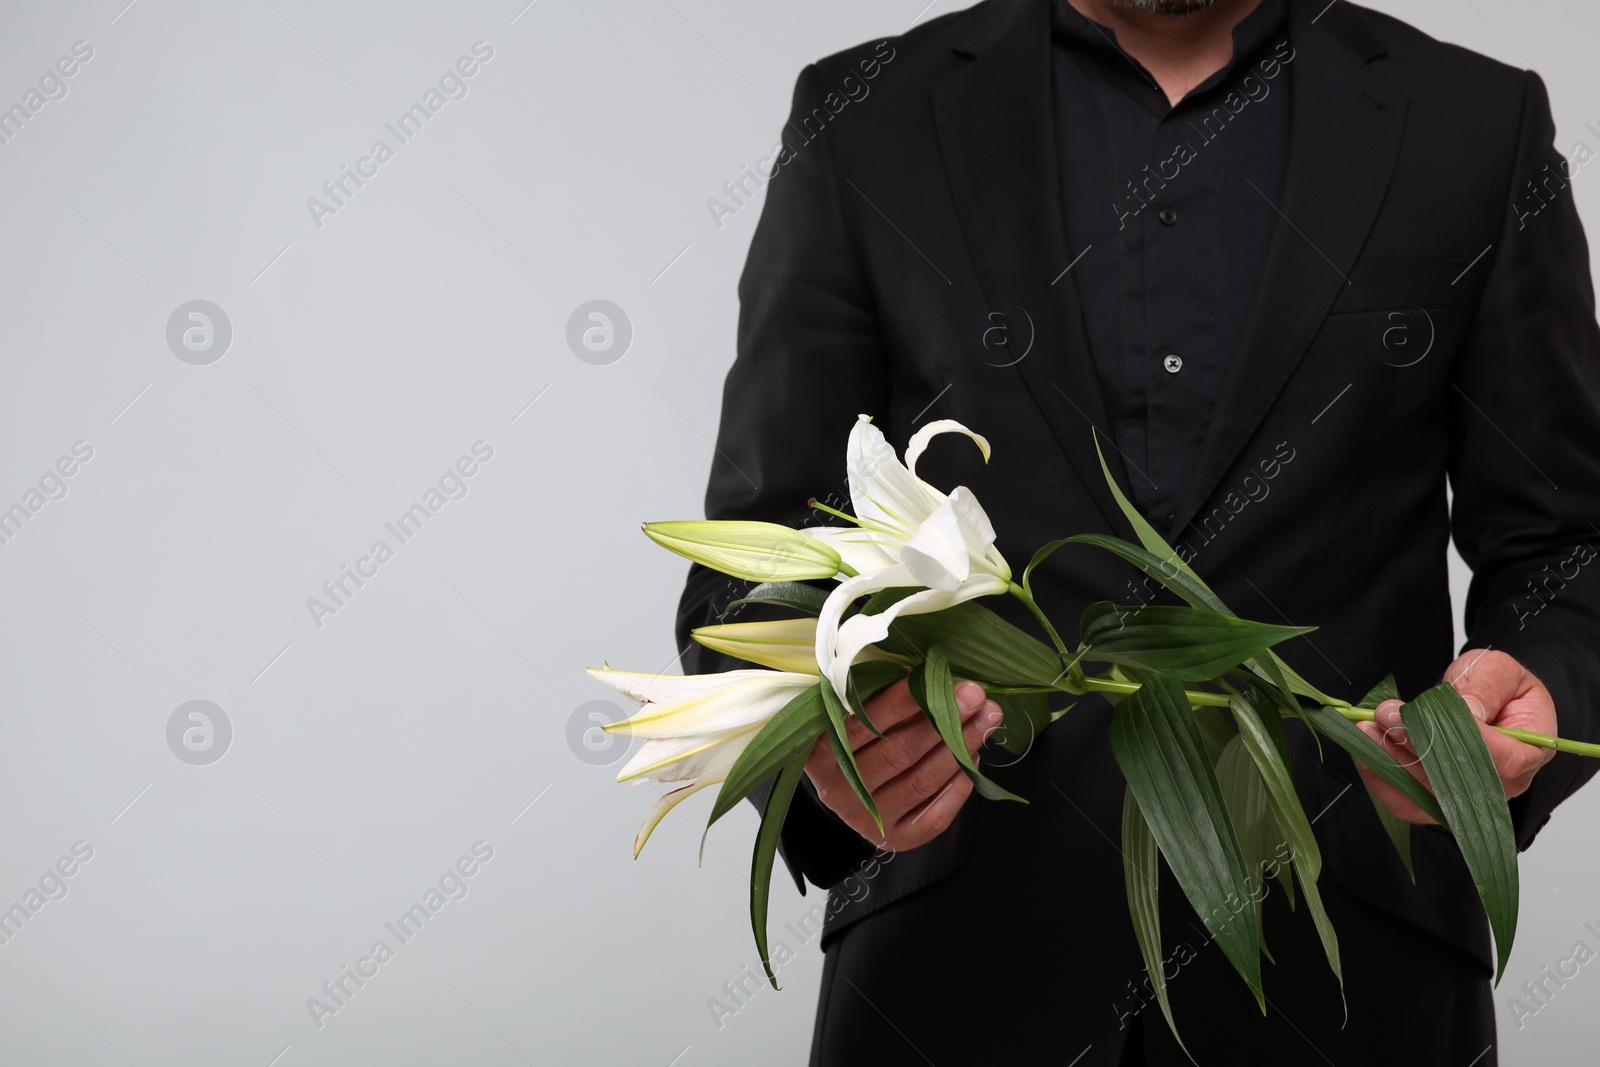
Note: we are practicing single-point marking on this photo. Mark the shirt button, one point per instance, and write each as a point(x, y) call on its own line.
point(1173, 363)
point(1168, 216)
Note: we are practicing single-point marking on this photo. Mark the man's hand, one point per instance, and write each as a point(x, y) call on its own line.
point(912, 776)
point(1501, 692)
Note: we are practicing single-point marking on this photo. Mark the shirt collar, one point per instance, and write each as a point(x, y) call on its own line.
point(1071, 28)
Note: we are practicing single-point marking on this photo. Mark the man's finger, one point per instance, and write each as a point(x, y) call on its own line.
point(1402, 754)
point(979, 729)
point(823, 769)
point(1515, 762)
point(895, 705)
point(878, 760)
point(900, 748)
point(1397, 802)
point(932, 773)
point(835, 793)
point(1487, 680)
point(895, 753)
point(886, 708)
point(934, 816)
point(1393, 733)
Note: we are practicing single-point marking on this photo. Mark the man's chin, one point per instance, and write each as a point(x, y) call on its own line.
point(1164, 7)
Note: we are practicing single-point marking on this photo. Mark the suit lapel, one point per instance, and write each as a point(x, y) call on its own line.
point(995, 120)
point(1344, 137)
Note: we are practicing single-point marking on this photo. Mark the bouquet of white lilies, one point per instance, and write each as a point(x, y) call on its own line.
point(1198, 731)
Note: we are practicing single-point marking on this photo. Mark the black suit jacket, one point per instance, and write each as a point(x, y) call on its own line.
point(903, 221)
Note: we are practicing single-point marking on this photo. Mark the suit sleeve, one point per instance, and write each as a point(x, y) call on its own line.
point(1525, 458)
point(810, 358)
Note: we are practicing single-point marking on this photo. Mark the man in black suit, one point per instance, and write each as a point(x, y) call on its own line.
point(1303, 267)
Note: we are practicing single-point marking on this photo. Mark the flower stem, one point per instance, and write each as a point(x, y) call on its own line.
point(1044, 620)
point(1197, 698)
point(1527, 737)
point(1105, 684)
point(1201, 699)
point(1560, 744)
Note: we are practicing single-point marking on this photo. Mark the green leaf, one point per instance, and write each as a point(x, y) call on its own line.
point(870, 677)
point(1163, 563)
point(839, 741)
point(1297, 684)
point(1026, 716)
point(1181, 580)
point(866, 679)
point(1384, 690)
point(1399, 832)
point(1324, 925)
point(1165, 569)
point(934, 690)
point(1261, 734)
point(1215, 731)
point(1398, 829)
point(1186, 644)
point(1369, 753)
point(772, 816)
point(792, 731)
point(1446, 736)
point(1039, 557)
point(807, 599)
point(1249, 808)
point(980, 644)
point(1141, 861)
point(859, 708)
point(1268, 669)
point(1285, 882)
point(1151, 540)
point(1158, 747)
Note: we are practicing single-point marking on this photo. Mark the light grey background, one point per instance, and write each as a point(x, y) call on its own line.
point(368, 354)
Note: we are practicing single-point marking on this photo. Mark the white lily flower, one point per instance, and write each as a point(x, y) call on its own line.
point(909, 534)
point(695, 726)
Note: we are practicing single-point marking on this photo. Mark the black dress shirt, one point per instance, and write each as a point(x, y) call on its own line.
point(1171, 210)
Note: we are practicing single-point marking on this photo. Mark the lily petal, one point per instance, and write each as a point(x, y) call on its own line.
point(859, 631)
point(644, 688)
point(864, 550)
point(883, 491)
point(680, 759)
point(833, 609)
point(682, 706)
point(977, 530)
point(937, 555)
point(659, 810)
point(919, 440)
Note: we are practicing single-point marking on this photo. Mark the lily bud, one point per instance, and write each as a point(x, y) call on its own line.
point(782, 644)
point(754, 551)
